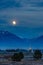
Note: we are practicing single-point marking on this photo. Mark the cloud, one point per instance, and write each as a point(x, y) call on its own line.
point(9, 4)
point(28, 13)
point(20, 3)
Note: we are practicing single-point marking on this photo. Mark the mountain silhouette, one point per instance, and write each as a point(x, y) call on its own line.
point(9, 40)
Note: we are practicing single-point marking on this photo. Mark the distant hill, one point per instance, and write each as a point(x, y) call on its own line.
point(37, 42)
point(9, 40)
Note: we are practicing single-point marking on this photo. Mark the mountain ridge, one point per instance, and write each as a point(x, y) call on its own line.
point(9, 40)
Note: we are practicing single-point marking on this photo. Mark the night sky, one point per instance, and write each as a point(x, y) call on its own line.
point(28, 15)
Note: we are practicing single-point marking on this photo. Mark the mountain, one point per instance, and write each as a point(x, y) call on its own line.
point(6, 36)
point(37, 42)
point(9, 40)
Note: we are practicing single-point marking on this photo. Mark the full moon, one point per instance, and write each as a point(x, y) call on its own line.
point(14, 22)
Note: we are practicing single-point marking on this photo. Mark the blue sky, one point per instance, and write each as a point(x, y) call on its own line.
point(27, 13)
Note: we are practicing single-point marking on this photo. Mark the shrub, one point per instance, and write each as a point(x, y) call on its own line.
point(37, 54)
point(21, 55)
point(18, 56)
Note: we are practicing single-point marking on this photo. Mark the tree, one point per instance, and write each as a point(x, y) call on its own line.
point(37, 54)
point(18, 56)
point(10, 50)
point(21, 55)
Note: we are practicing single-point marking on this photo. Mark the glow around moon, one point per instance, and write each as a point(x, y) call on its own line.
point(14, 22)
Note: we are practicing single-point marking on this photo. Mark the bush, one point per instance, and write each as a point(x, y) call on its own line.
point(18, 56)
point(37, 54)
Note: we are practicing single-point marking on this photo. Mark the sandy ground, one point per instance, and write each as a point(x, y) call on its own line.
point(29, 62)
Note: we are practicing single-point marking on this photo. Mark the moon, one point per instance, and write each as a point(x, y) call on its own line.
point(14, 22)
